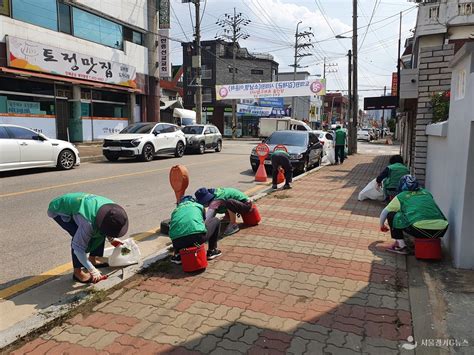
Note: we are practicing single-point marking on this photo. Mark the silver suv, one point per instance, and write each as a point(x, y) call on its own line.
point(202, 137)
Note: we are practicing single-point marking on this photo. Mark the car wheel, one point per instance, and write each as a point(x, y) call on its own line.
point(202, 148)
point(148, 152)
point(179, 151)
point(111, 156)
point(305, 167)
point(219, 146)
point(66, 159)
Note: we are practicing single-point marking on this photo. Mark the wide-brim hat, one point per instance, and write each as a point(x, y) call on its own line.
point(112, 220)
point(203, 196)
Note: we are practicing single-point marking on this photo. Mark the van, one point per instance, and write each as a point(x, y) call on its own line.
point(269, 125)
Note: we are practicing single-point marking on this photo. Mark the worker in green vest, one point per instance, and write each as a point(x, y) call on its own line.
point(340, 144)
point(224, 200)
point(390, 177)
point(89, 219)
point(281, 159)
point(188, 229)
point(414, 212)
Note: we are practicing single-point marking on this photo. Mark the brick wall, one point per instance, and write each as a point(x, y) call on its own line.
point(434, 76)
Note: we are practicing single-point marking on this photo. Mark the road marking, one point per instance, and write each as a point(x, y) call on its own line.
point(99, 179)
point(62, 269)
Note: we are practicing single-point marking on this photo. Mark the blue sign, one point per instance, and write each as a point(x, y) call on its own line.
point(275, 102)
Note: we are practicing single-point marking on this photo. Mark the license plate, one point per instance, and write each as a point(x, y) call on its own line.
point(267, 162)
point(115, 148)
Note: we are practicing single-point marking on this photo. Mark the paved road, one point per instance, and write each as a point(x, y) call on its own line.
point(32, 243)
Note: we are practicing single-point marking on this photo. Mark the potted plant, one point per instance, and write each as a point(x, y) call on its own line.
point(440, 105)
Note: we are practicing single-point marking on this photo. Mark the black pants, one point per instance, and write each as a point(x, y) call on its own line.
point(413, 231)
point(238, 207)
point(212, 225)
point(339, 153)
point(71, 228)
point(281, 161)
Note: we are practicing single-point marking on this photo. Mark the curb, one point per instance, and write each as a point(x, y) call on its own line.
point(92, 158)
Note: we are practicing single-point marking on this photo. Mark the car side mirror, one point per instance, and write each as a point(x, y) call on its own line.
point(156, 133)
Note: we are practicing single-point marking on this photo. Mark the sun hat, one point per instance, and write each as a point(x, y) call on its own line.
point(204, 196)
point(112, 220)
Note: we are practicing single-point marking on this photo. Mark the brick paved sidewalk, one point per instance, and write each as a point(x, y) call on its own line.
point(312, 278)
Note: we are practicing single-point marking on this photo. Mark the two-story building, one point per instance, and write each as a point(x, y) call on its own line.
point(336, 108)
point(217, 67)
point(75, 69)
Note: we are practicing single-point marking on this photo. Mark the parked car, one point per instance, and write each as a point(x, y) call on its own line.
point(326, 139)
point(363, 134)
point(202, 137)
point(145, 140)
point(304, 147)
point(23, 148)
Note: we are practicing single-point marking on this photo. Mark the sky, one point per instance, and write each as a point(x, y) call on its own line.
point(272, 30)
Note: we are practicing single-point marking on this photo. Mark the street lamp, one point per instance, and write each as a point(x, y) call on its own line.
point(343, 37)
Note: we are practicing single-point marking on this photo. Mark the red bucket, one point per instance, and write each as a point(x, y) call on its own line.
point(193, 258)
point(428, 248)
point(253, 217)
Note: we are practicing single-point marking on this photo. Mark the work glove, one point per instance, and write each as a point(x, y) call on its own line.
point(116, 242)
point(96, 275)
point(384, 228)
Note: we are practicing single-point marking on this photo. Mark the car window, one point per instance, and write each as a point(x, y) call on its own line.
point(329, 136)
point(21, 133)
point(167, 128)
point(3, 133)
point(193, 129)
point(212, 130)
point(138, 128)
point(207, 130)
point(288, 138)
point(300, 128)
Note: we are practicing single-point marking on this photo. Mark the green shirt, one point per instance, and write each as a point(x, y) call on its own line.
point(416, 208)
point(395, 173)
point(187, 219)
point(229, 193)
point(280, 152)
point(340, 137)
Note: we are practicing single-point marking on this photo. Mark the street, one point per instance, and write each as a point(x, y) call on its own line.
point(33, 243)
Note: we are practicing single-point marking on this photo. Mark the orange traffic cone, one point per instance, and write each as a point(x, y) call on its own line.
point(179, 180)
point(261, 175)
point(280, 176)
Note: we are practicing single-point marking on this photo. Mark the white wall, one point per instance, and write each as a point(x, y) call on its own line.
point(449, 171)
point(132, 54)
point(133, 12)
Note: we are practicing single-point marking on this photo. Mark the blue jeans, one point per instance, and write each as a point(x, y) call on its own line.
point(71, 228)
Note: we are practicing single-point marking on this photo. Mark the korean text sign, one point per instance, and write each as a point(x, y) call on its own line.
point(271, 89)
point(39, 57)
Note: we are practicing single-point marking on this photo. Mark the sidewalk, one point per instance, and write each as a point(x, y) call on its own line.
point(312, 278)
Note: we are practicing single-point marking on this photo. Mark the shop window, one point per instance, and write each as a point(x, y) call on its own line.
point(132, 36)
point(256, 71)
point(64, 18)
point(42, 13)
point(97, 29)
point(5, 7)
point(207, 95)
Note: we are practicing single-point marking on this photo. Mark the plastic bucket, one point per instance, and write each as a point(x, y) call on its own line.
point(428, 248)
point(253, 217)
point(193, 258)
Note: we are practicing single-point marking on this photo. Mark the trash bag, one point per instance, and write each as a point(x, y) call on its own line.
point(126, 254)
point(331, 156)
point(372, 192)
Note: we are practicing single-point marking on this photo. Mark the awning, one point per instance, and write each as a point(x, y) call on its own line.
point(67, 79)
point(183, 113)
point(170, 104)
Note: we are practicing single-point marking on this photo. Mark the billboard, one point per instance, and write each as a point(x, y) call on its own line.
point(380, 103)
point(271, 89)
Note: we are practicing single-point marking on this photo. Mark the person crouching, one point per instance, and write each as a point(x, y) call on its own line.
point(281, 159)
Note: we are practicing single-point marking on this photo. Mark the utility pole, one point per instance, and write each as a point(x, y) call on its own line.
point(197, 63)
point(306, 35)
point(399, 57)
point(349, 88)
point(151, 40)
point(355, 96)
point(232, 25)
point(383, 110)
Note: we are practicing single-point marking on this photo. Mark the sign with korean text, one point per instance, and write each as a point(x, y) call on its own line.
point(394, 84)
point(275, 102)
point(29, 107)
point(43, 58)
point(271, 89)
point(262, 150)
point(164, 54)
point(250, 110)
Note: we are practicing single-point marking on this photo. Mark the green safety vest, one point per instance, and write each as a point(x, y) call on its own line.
point(187, 219)
point(395, 173)
point(229, 193)
point(416, 206)
point(87, 205)
point(340, 137)
point(280, 152)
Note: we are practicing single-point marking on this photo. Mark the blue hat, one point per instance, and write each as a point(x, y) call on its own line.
point(408, 183)
point(186, 198)
point(204, 196)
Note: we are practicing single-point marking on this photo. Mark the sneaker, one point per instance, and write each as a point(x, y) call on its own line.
point(286, 187)
point(396, 249)
point(214, 253)
point(231, 229)
point(274, 187)
point(176, 259)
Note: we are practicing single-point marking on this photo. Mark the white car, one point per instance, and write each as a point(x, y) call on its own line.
point(326, 139)
point(364, 135)
point(23, 148)
point(145, 140)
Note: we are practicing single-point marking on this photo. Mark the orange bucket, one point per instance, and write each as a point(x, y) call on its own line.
point(253, 217)
point(428, 248)
point(193, 258)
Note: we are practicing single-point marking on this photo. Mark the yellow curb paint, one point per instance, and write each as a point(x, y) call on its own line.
point(59, 270)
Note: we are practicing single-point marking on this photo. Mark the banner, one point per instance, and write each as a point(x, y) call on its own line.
point(248, 110)
point(164, 54)
point(271, 89)
point(164, 13)
point(394, 84)
point(43, 58)
point(275, 102)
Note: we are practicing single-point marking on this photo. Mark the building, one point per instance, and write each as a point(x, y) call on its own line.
point(216, 69)
point(76, 70)
point(336, 108)
point(442, 27)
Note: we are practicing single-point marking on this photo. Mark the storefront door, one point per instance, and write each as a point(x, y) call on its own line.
point(62, 117)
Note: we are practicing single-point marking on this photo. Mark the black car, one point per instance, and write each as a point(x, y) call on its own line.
point(304, 148)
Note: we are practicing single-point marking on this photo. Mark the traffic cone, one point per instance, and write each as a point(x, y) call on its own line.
point(179, 180)
point(261, 175)
point(280, 176)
